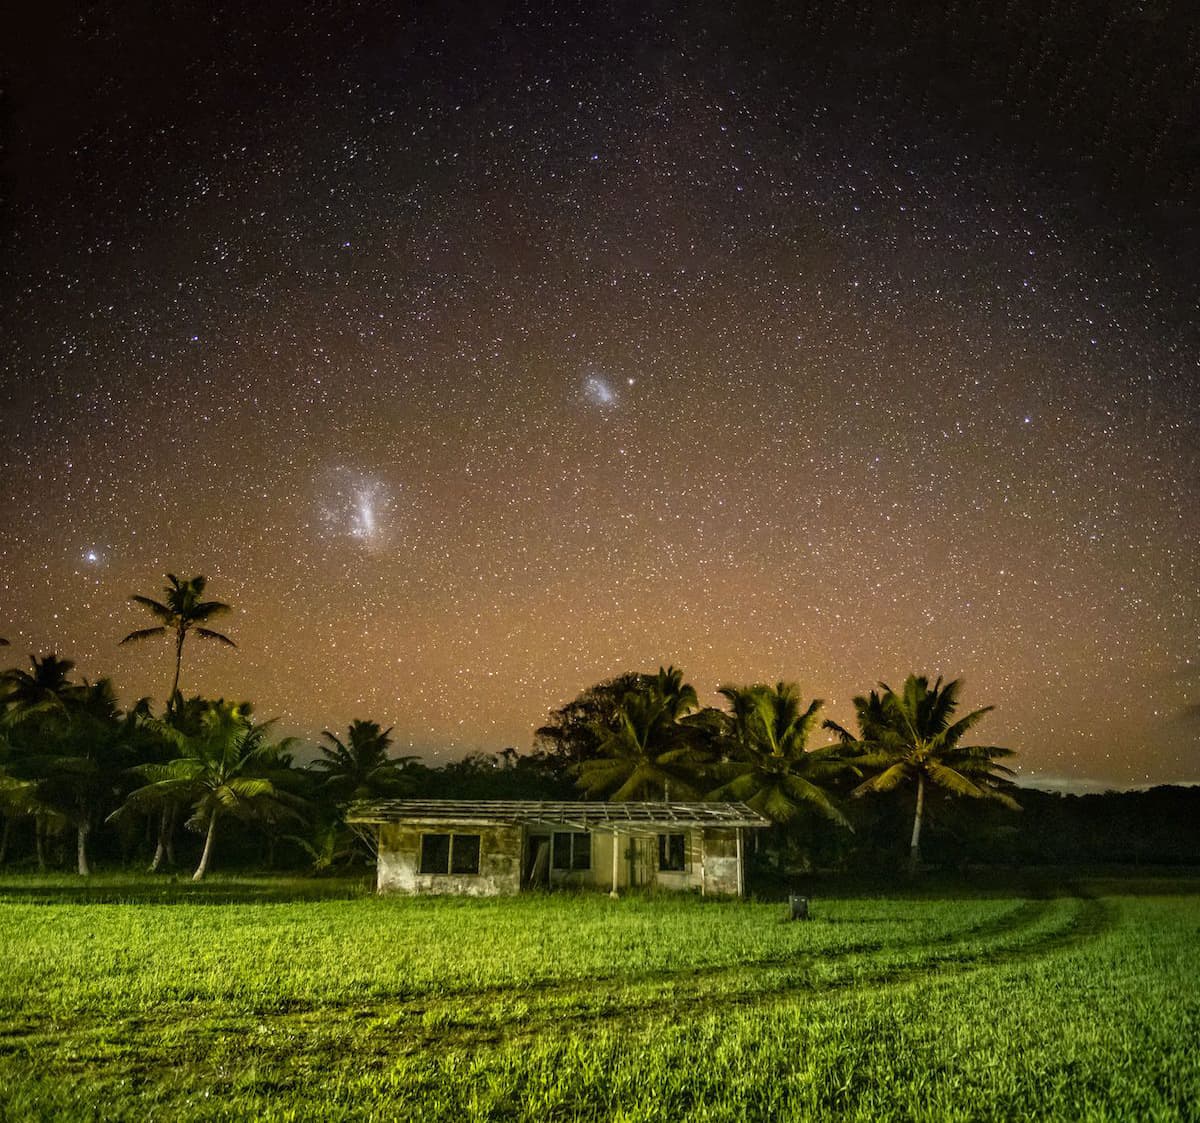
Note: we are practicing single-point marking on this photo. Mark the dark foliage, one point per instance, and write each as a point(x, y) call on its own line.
point(83, 783)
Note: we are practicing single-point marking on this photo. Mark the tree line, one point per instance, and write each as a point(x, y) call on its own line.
point(74, 765)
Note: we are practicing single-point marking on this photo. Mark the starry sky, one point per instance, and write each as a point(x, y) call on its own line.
point(477, 353)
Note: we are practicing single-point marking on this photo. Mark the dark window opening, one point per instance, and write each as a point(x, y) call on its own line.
point(572, 851)
point(435, 853)
point(449, 853)
point(464, 853)
point(672, 852)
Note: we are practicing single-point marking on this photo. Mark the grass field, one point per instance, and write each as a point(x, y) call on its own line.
point(135, 998)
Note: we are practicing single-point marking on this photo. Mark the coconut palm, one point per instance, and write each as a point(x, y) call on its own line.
point(18, 800)
point(227, 768)
point(768, 765)
point(180, 612)
point(910, 737)
point(66, 741)
point(148, 745)
point(648, 753)
point(79, 759)
point(33, 705)
point(44, 689)
point(678, 697)
point(360, 767)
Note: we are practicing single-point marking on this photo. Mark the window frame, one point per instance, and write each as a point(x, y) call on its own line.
point(478, 848)
point(449, 870)
point(578, 851)
point(665, 855)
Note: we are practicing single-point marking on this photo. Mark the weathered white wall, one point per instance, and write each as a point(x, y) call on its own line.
point(720, 861)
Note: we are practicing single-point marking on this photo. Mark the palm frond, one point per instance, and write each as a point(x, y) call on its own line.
point(952, 780)
point(844, 735)
point(952, 734)
point(157, 608)
point(885, 781)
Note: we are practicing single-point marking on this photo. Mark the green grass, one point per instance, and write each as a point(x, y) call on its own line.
point(288, 999)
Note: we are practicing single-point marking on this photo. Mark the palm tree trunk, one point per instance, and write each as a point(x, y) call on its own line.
point(39, 842)
point(202, 868)
point(4, 838)
point(178, 664)
point(914, 849)
point(85, 828)
point(160, 849)
point(172, 818)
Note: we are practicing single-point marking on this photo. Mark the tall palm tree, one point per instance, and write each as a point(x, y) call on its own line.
point(360, 767)
point(910, 737)
point(648, 753)
point(768, 765)
point(227, 768)
point(180, 612)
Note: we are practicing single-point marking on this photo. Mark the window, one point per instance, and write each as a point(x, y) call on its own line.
point(572, 851)
point(435, 853)
point(449, 853)
point(464, 853)
point(672, 852)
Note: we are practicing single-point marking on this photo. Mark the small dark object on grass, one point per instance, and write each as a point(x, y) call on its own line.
point(799, 908)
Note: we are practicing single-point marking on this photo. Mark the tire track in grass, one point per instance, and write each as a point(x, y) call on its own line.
point(471, 1021)
point(429, 1002)
point(1087, 919)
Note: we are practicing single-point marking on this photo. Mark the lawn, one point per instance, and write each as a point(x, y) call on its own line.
point(139, 998)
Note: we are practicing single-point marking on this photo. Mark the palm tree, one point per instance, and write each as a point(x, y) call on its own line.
point(678, 697)
point(28, 700)
point(227, 768)
point(648, 753)
point(180, 612)
point(360, 767)
point(910, 737)
point(769, 766)
point(147, 745)
point(75, 774)
point(69, 737)
point(18, 800)
point(45, 688)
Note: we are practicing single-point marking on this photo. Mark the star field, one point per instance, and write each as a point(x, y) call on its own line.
point(477, 360)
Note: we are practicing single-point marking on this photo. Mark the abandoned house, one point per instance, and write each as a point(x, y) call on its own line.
point(492, 847)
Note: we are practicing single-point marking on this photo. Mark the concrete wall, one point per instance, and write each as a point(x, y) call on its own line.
point(721, 861)
point(400, 861)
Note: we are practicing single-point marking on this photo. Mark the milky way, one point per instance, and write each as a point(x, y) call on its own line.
point(475, 360)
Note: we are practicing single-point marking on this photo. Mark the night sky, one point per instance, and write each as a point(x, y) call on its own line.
point(477, 354)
